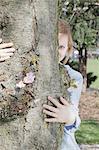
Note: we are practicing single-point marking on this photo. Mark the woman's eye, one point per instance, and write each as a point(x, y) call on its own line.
point(61, 46)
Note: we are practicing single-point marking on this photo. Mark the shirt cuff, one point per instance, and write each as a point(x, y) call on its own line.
point(71, 126)
point(74, 126)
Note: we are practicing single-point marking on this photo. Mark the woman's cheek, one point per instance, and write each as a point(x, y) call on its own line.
point(63, 53)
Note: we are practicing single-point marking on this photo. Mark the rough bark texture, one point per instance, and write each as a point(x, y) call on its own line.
point(83, 66)
point(31, 25)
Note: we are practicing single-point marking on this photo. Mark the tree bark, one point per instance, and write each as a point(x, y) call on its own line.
point(83, 66)
point(31, 25)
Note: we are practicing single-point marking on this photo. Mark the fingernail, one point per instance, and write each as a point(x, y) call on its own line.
point(49, 97)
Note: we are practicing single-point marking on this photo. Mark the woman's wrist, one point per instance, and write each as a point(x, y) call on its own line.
point(72, 121)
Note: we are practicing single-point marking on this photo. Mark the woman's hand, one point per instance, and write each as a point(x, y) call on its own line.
point(6, 50)
point(62, 113)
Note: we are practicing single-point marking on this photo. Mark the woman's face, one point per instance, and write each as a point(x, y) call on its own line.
point(63, 45)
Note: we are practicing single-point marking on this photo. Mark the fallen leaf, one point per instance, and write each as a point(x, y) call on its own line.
point(20, 84)
point(29, 78)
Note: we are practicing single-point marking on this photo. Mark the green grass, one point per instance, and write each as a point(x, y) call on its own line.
point(88, 132)
point(93, 66)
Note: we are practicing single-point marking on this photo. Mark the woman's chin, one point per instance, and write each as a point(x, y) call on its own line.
point(60, 59)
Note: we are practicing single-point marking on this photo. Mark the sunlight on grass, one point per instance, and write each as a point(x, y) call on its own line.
point(93, 66)
point(88, 132)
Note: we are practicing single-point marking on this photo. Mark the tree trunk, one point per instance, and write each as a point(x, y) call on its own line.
point(83, 66)
point(31, 25)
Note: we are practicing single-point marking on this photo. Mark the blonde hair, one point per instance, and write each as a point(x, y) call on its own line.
point(64, 27)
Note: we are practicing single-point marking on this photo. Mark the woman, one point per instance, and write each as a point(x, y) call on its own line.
point(65, 112)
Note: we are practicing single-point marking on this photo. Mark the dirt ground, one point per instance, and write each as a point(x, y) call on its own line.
point(89, 147)
point(89, 105)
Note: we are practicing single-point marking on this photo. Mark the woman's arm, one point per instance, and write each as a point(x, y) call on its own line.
point(6, 50)
point(66, 113)
point(75, 92)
